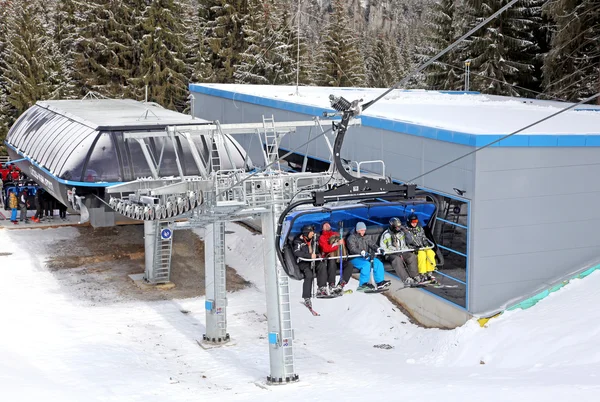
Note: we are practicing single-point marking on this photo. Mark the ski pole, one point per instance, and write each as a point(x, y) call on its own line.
point(341, 249)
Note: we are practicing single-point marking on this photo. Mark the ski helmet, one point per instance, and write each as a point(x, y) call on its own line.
point(395, 224)
point(413, 217)
point(306, 229)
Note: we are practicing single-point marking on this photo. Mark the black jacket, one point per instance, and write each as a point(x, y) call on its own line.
point(300, 247)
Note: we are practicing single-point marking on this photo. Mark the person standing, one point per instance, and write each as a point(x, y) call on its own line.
point(359, 244)
point(1, 191)
point(393, 240)
point(62, 211)
point(39, 212)
point(13, 204)
point(23, 204)
point(48, 202)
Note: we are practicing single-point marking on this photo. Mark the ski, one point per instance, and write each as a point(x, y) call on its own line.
point(313, 312)
point(331, 296)
point(373, 290)
point(440, 286)
point(348, 292)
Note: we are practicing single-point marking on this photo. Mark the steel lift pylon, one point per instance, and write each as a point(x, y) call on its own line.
point(217, 196)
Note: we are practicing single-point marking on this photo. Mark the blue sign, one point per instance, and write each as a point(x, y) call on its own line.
point(166, 234)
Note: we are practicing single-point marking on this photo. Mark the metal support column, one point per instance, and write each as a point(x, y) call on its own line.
point(149, 242)
point(158, 246)
point(216, 292)
point(281, 334)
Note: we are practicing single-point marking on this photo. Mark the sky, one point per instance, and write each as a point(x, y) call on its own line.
point(57, 344)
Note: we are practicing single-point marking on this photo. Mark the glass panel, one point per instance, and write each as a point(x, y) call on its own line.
point(168, 165)
point(45, 138)
point(189, 165)
point(103, 165)
point(57, 145)
point(36, 130)
point(67, 139)
point(124, 154)
point(25, 131)
point(74, 161)
point(202, 146)
point(13, 134)
point(25, 121)
point(138, 160)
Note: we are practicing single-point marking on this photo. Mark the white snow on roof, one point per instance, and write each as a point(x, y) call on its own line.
point(57, 345)
point(118, 113)
point(461, 112)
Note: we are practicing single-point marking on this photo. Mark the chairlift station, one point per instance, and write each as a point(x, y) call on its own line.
point(516, 217)
point(510, 220)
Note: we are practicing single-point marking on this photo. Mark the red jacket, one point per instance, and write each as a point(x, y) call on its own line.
point(327, 248)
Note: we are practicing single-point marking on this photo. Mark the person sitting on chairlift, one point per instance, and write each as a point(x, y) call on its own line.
point(304, 246)
point(359, 244)
point(393, 240)
point(330, 244)
point(415, 238)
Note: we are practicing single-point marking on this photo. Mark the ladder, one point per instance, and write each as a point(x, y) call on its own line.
point(162, 254)
point(215, 158)
point(285, 317)
point(271, 140)
point(220, 278)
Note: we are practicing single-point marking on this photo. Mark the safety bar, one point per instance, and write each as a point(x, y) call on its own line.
point(358, 255)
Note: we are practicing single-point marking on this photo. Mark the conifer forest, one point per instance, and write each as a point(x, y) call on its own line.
point(65, 49)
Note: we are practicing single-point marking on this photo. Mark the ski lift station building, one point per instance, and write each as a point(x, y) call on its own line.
point(514, 219)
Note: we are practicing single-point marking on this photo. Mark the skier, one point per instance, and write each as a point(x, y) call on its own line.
point(304, 246)
point(330, 243)
point(415, 238)
point(358, 243)
point(404, 263)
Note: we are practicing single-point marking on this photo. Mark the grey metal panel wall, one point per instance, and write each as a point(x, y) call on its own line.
point(406, 156)
point(535, 220)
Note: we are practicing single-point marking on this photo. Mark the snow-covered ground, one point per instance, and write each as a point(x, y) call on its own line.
point(55, 346)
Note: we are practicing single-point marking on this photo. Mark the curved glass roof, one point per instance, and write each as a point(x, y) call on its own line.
point(83, 140)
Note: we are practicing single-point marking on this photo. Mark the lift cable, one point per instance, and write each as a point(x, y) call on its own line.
point(347, 116)
point(440, 54)
point(508, 135)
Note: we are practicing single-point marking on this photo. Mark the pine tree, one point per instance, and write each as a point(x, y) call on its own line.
point(442, 31)
point(342, 63)
point(65, 27)
point(163, 55)
point(224, 36)
point(268, 58)
point(572, 66)
point(106, 51)
point(382, 61)
point(32, 71)
point(4, 121)
point(504, 48)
